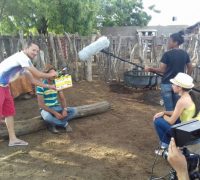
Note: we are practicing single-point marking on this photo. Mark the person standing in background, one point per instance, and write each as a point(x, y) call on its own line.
point(173, 61)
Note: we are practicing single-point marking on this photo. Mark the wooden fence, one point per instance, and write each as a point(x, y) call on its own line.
point(62, 51)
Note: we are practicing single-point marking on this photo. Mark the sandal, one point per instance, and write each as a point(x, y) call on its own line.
point(18, 143)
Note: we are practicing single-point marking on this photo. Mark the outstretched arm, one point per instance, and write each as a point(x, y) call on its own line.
point(161, 69)
point(37, 82)
point(40, 74)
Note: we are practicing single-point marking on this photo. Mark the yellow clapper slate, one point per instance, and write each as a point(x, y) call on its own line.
point(63, 82)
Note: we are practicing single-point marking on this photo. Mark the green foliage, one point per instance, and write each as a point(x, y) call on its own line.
point(123, 13)
point(59, 16)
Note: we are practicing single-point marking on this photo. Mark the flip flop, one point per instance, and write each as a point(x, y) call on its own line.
point(18, 143)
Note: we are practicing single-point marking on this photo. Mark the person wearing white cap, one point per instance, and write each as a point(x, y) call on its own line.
point(187, 108)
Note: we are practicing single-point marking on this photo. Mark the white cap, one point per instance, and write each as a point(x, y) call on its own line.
point(183, 80)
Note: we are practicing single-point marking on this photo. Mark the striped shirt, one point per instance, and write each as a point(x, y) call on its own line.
point(50, 96)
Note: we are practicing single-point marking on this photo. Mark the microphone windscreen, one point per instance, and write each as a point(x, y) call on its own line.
point(94, 48)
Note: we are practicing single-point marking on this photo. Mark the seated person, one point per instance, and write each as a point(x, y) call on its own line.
point(53, 112)
point(187, 108)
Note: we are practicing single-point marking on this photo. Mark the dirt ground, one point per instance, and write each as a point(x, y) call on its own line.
point(118, 144)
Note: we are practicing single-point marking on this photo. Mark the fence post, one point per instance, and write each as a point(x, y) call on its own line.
point(89, 64)
point(52, 46)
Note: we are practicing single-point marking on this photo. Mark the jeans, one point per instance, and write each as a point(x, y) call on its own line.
point(163, 129)
point(169, 97)
point(49, 118)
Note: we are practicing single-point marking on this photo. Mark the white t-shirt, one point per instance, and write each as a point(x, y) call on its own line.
point(12, 67)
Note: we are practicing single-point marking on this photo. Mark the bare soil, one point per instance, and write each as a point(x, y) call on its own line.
point(118, 144)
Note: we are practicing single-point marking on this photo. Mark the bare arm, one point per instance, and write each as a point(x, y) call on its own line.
point(63, 103)
point(162, 114)
point(162, 68)
point(62, 99)
point(168, 113)
point(37, 82)
point(176, 113)
point(40, 74)
point(189, 68)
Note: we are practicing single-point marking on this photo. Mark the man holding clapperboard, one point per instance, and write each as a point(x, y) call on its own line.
point(12, 68)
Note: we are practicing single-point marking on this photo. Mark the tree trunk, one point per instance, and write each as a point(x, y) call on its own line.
point(35, 124)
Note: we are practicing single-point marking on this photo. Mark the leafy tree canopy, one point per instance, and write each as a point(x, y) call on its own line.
point(59, 16)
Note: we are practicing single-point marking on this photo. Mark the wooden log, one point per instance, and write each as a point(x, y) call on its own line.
point(35, 124)
point(45, 49)
point(60, 54)
point(7, 47)
point(72, 55)
point(52, 47)
point(21, 39)
point(76, 69)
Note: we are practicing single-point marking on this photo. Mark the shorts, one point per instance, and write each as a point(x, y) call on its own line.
point(7, 107)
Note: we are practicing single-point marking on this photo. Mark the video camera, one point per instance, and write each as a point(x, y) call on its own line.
point(187, 134)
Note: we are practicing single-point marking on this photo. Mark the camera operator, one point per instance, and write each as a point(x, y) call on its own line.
point(187, 108)
point(177, 161)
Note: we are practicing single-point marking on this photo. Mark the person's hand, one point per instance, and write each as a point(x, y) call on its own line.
point(58, 115)
point(147, 69)
point(177, 161)
point(160, 114)
point(53, 74)
point(64, 113)
point(52, 87)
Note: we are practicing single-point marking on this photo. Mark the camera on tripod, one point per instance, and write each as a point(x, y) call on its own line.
point(187, 134)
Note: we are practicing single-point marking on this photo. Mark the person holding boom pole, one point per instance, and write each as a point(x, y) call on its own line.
point(173, 61)
point(10, 69)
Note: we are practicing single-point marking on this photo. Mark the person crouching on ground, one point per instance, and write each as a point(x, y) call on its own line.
point(187, 108)
point(10, 69)
point(53, 112)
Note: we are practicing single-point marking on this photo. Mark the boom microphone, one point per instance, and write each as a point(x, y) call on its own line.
point(103, 42)
point(95, 47)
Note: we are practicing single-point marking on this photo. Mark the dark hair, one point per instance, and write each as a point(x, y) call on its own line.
point(196, 99)
point(178, 37)
point(30, 42)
